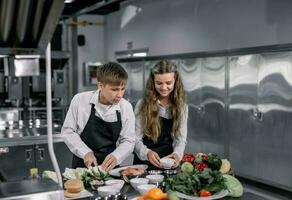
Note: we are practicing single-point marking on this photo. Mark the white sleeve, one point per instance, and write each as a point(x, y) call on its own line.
point(140, 149)
point(69, 131)
point(179, 144)
point(126, 140)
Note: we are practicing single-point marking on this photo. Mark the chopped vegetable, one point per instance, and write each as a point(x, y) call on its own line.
point(87, 175)
point(69, 173)
point(51, 175)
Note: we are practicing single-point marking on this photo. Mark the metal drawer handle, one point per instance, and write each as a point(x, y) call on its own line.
point(28, 155)
point(258, 114)
point(41, 154)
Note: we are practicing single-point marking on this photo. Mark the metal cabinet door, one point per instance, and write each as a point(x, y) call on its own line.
point(190, 71)
point(16, 164)
point(274, 150)
point(43, 160)
point(213, 104)
point(242, 124)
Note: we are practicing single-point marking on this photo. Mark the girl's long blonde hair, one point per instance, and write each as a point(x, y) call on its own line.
point(149, 111)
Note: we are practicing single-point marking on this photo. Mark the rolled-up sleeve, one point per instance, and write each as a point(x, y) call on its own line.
point(140, 148)
point(179, 144)
point(69, 131)
point(126, 141)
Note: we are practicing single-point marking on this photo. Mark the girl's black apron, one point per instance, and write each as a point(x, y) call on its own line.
point(163, 146)
point(100, 136)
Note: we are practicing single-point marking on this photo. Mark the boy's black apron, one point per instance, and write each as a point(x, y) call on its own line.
point(163, 146)
point(100, 136)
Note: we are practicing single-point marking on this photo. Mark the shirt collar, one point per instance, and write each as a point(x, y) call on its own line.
point(94, 100)
point(160, 105)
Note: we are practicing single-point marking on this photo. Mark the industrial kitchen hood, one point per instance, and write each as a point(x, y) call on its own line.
point(27, 26)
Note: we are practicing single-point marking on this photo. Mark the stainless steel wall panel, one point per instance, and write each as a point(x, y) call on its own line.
point(135, 81)
point(275, 105)
point(147, 67)
point(190, 71)
point(213, 104)
point(243, 128)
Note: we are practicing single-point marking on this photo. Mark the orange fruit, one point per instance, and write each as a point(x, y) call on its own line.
point(140, 198)
point(155, 194)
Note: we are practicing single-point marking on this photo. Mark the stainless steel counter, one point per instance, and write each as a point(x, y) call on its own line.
point(27, 140)
point(250, 193)
point(44, 189)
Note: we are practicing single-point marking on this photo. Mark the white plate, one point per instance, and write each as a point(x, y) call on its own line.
point(83, 194)
point(219, 195)
point(116, 172)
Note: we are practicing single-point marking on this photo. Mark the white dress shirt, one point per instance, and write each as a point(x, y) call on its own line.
point(178, 144)
point(78, 115)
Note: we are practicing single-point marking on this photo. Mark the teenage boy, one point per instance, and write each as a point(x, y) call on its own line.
point(99, 127)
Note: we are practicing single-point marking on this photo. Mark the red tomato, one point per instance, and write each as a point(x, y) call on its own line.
point(188, 157)
point(201, 166)
point(204, 193)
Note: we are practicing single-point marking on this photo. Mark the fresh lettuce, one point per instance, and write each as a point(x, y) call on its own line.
point(233, 185)
point(50, 174)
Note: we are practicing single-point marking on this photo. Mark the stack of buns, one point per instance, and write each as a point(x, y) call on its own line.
point(73, 188)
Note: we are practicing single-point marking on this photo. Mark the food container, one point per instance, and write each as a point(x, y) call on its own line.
point(155, 172)
point(135, 182)
point(167, 163)
point(155, 178)
point(144, 188)
point(104, 191)
point(170, 172)
point(115, 183)
point(95, 184)
point(162, 186)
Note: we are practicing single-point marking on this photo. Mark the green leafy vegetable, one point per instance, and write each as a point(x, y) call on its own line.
point(192, 183)
point(87, 174)
point(214, 161)
point(51, 175)
point(233, 186)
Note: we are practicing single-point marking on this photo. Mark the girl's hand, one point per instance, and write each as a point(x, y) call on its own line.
point(154, 158)
point(176, 159)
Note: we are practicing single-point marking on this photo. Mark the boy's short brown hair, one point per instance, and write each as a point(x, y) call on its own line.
point(111, 73)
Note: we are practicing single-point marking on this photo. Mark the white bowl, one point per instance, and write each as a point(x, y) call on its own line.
point(145, 187)
point(118, 183)
point(155, 178)
point(107, 190)
point(135, 182)
point(167, 163)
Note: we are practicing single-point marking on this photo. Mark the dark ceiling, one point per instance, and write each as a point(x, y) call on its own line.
point(98, 7)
